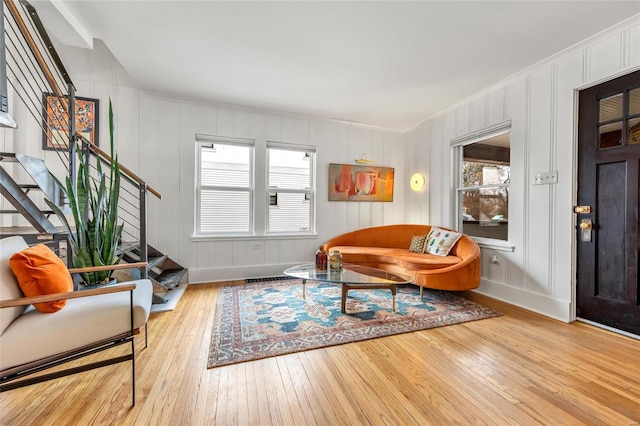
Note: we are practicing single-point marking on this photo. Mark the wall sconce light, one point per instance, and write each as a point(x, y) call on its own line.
point(363, 159)
point(417, 181)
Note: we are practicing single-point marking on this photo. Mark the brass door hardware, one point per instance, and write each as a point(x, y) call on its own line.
point(582, 209)
point(585, 230)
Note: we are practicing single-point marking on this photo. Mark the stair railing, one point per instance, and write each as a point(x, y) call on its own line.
point(35, 71)
point(133, 199)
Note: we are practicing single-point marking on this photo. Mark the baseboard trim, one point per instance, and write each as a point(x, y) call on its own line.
point(211, 275)
point(539, 303)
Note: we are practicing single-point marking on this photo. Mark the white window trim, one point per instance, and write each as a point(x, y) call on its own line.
point(456, 146)
point(252, 235)
point(311, 190)
point(480, 135)
point(201, 139)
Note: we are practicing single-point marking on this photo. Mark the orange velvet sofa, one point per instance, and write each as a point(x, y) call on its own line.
point(387, 247)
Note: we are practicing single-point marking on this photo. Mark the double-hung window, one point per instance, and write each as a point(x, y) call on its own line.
point(224, 189)
point(290, 188)
point(484, 165)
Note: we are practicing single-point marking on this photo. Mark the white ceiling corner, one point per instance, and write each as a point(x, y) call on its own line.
point(63, 24)
point(382, 63)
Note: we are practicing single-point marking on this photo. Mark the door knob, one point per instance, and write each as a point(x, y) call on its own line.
point(585, 230)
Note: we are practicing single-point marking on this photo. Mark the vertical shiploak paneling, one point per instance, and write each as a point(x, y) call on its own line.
point(606, 57)
point(540, 102)
point(168, 128)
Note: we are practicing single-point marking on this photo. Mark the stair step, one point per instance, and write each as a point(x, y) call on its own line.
point(8, 157)
point(44, 212)
point(151, 251)
point(170, 300)
point(153, 261)
point(158, 288)
point(28, 186)
point(170, 278)
point(12, 193)
point(158, 299)
point(39, 172)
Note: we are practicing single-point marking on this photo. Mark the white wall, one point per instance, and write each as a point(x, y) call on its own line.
point(167, 161)
point(155, 138)
point(95, 74)
point(540, 102)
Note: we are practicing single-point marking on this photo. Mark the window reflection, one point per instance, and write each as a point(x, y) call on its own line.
point(610, 108)
point(484, 192)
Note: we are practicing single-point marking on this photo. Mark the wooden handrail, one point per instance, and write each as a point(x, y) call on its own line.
point(123, 169)
point(34, 48)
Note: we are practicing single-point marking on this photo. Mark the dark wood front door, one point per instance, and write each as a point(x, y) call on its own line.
point(608, 182)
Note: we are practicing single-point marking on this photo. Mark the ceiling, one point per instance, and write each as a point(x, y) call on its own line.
point(385, 63)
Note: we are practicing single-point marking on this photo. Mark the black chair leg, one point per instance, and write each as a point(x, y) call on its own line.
point(133, 372)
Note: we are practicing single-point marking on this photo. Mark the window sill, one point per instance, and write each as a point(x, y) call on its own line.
point(198, 238)
point(494, 244)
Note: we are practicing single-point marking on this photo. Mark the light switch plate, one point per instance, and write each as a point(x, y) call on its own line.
point(545, 178)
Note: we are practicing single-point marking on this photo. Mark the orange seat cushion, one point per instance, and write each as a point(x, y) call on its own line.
point(39, 271)
point(401, 257)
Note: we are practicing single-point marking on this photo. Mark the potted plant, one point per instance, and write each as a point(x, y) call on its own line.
point(96, 237)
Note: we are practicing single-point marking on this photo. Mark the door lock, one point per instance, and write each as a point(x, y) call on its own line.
point(582, 209)
point(585, 230)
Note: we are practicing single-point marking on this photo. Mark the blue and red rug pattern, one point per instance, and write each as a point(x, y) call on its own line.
point(270, 318)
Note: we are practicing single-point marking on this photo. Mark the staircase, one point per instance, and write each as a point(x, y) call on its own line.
point(165, 273)
point(18, 196)
point(32, 67)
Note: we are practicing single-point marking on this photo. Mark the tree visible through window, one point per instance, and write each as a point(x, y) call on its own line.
point(483, 190)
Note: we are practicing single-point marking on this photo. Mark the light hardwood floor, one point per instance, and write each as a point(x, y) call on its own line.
point(517, 369)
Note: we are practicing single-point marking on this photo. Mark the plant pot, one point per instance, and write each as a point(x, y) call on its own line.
point(108, 281)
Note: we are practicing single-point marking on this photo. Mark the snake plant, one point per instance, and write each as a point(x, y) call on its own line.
point(95, 240)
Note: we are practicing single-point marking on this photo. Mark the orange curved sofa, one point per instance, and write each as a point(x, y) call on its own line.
point(387, 247)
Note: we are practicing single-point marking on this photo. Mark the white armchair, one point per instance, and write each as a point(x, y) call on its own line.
point(91, 321)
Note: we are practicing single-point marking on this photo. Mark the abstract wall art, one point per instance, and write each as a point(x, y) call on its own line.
point(360, 183)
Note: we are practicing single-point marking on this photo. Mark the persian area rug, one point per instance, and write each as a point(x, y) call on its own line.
point(269, 318)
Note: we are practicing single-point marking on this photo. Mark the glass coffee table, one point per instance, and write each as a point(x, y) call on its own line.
point(351, 277)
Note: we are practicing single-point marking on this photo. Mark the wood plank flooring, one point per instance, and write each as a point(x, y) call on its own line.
point(517, 369)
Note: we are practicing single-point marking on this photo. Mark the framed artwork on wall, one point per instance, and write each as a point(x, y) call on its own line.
point(349, 182)
point(56, 121)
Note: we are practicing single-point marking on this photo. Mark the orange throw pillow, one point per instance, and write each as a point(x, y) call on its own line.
point(39, 271)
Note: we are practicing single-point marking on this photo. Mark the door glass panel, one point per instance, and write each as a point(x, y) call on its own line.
point(634, 101)
point(610, 135)
point(610, 108)
point(633, 138)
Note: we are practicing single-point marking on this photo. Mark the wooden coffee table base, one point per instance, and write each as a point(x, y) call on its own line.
point(346, 287)
point(350, 277)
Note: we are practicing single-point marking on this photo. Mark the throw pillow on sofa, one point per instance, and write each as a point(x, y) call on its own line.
point(417, 243)
point(39, 271)
point(440, 241)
